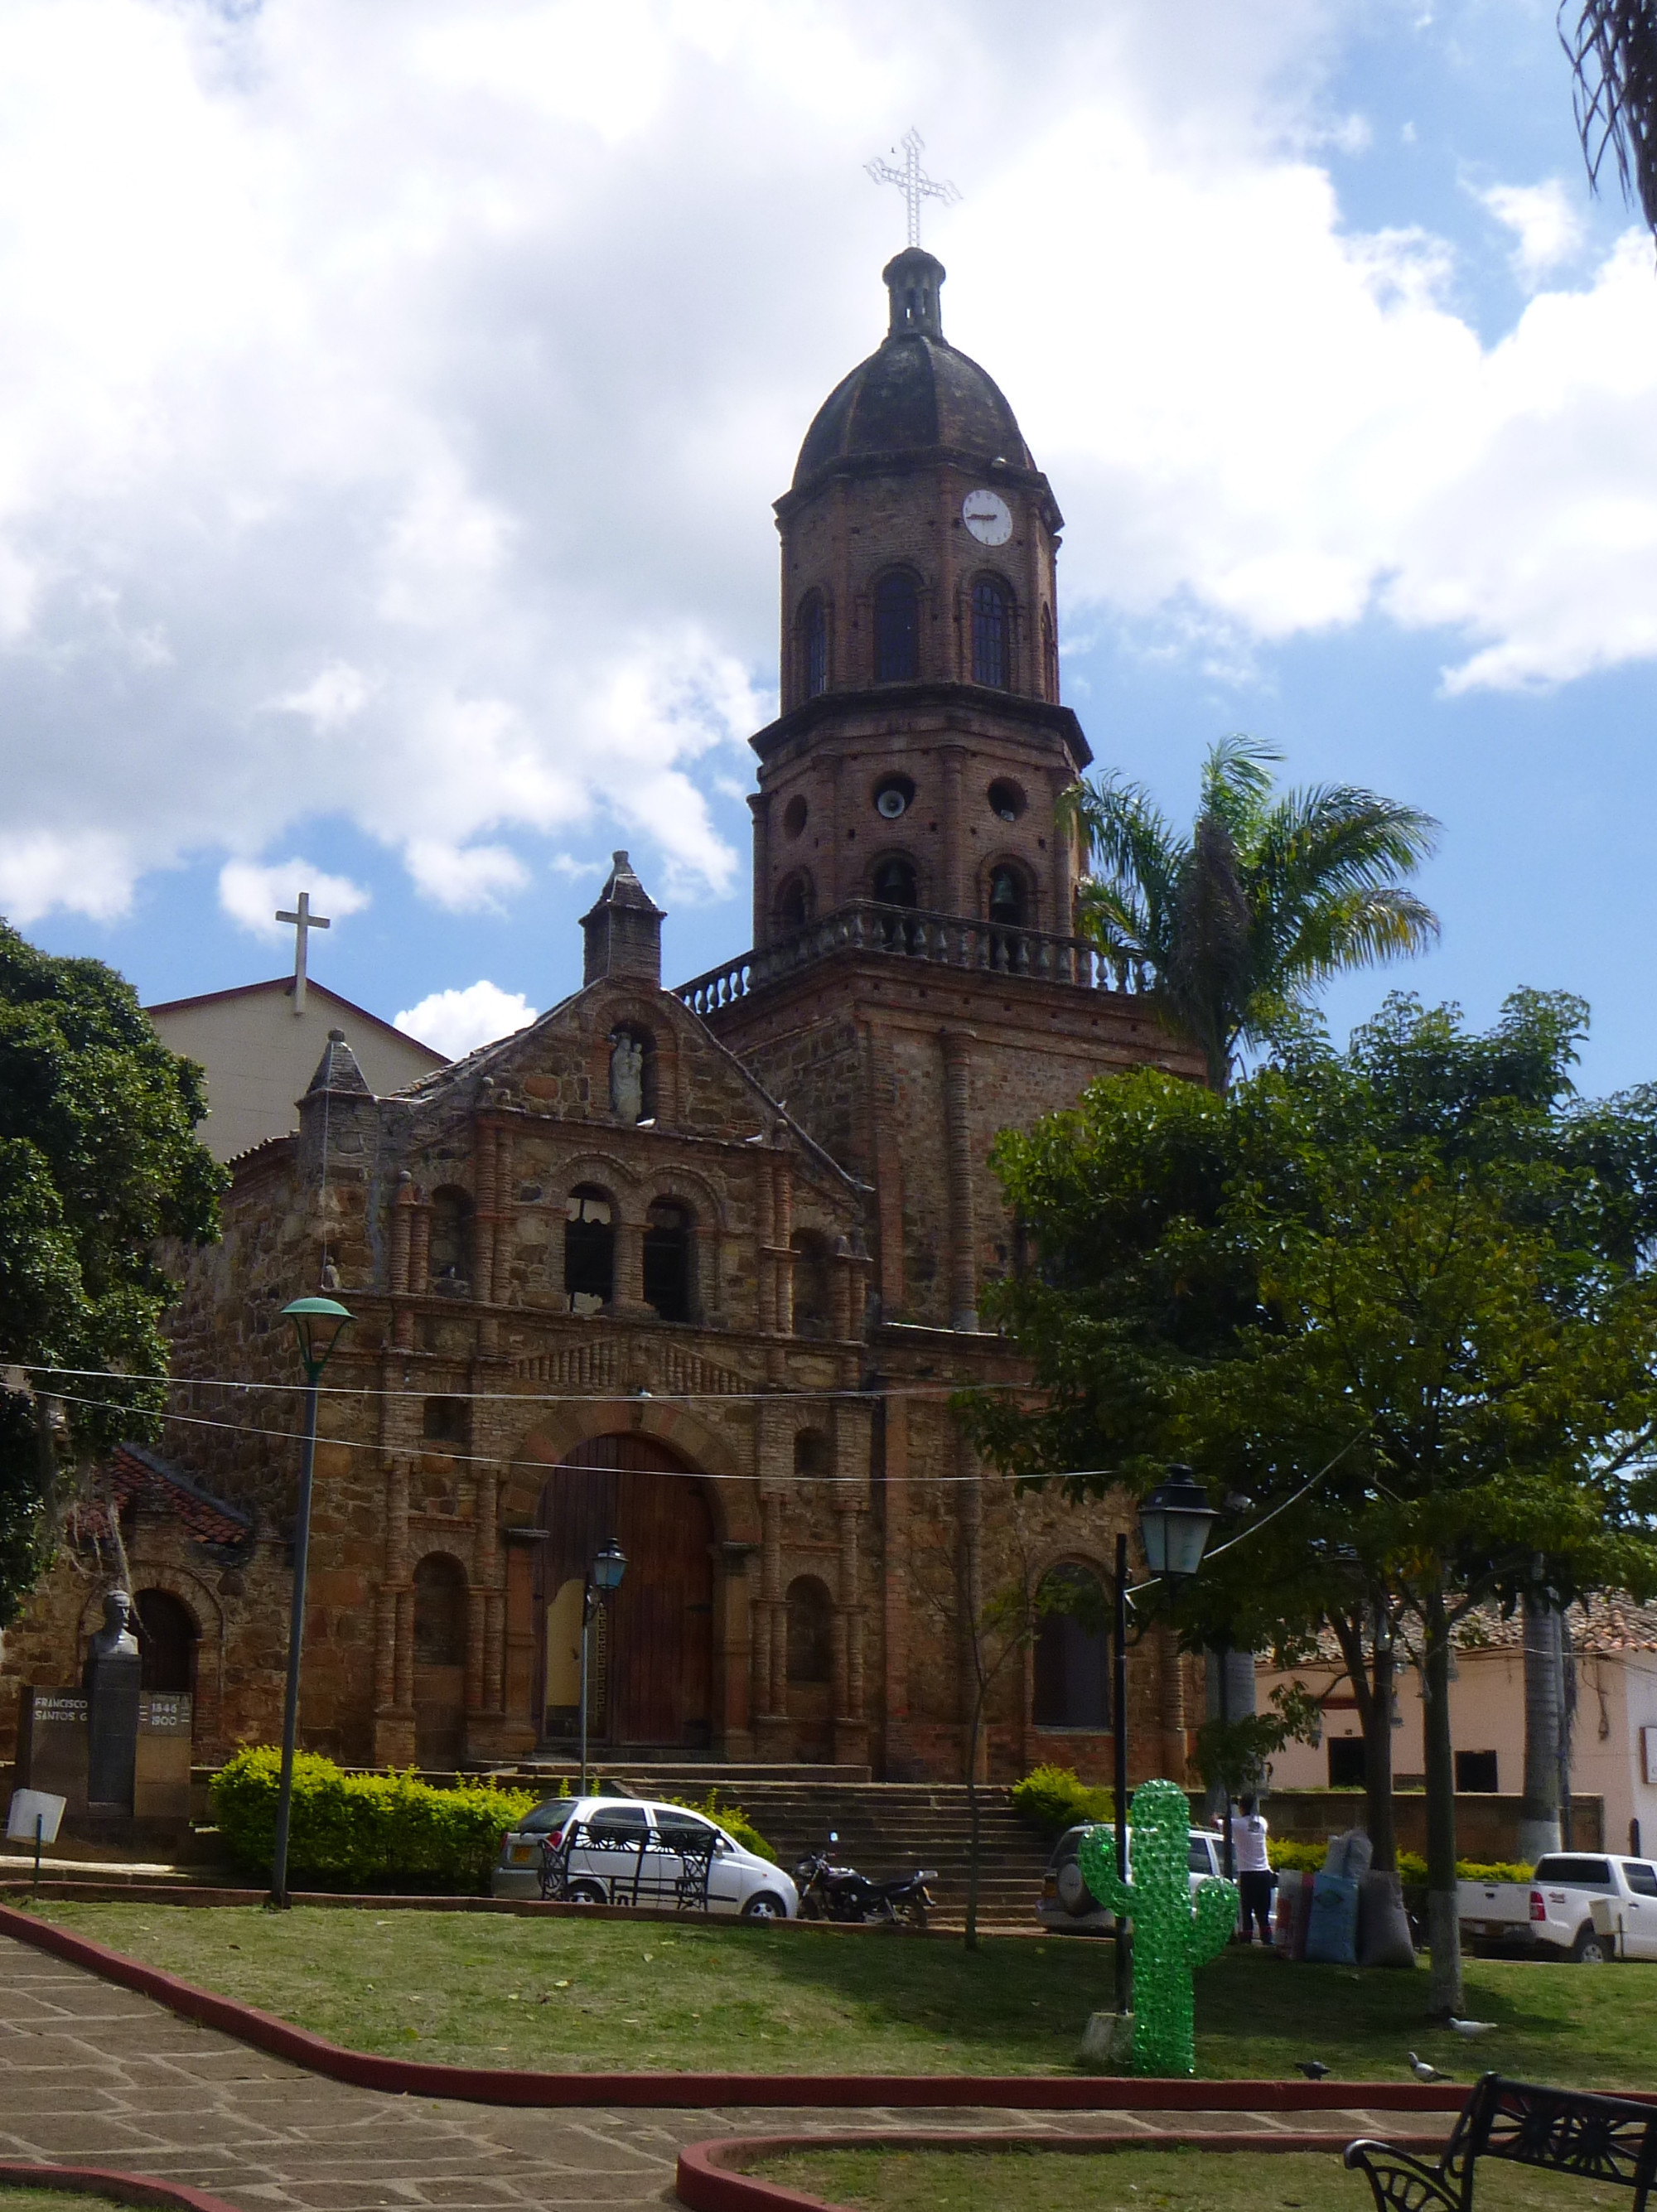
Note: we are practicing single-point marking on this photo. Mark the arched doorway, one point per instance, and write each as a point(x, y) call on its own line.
point(651, 1662)
point(439, 1660)
point(168, 1636)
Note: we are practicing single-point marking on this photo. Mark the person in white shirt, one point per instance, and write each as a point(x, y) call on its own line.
point(1255, 1876)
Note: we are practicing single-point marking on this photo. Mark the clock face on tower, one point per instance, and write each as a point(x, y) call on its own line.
point(988, 517)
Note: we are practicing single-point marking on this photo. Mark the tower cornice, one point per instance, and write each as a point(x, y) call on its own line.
point(911, 460)
point(888, 705)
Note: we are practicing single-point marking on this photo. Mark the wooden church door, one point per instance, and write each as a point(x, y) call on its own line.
point(650, 1657)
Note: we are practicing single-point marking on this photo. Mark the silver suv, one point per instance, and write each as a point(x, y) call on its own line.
point(1069, 1907)
point(626, 1850)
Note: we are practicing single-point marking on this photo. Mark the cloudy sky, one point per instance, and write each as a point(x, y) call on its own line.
point(392, 399)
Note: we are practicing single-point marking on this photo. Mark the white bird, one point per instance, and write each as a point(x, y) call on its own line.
point(1472, 2028)
point(1423, 2071)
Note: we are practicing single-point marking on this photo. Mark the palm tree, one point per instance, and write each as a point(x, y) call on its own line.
point(1612, 46)
point(1272, 893)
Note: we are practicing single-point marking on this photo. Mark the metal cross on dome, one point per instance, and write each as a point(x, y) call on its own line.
point(911, 180)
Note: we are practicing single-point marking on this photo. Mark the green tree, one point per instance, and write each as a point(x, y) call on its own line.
point(1398, 1296)
point(98, 1166)
point(1272, 894)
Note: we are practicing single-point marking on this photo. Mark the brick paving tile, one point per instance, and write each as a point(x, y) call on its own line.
point(97, 2076)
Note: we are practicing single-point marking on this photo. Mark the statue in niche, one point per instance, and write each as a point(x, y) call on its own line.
point(626, 1077)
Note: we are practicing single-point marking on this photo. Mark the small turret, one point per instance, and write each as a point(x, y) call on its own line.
point(623, 930)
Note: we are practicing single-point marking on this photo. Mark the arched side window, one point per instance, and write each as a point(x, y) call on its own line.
point(811, 1455)
point(1072, 1651)
point(667, 1259)
point(167, 1638)
point(1049, 658)
point(589, 1249)
point(810, 1638)
point(794, 904)
point(897, 627)
point(991, 633)
point(439, 1612)
point(811, 1304)
point(451, 1257)
point(813, 645)
point(895, 882)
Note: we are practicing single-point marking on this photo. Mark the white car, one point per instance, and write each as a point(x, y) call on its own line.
point(1069, 1907)
point(627, 1850)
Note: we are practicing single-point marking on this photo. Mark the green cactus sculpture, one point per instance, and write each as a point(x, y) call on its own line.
point(1174, 1932)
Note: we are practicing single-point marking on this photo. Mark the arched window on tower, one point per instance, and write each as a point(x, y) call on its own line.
point(793, 904)
point(1049, 658)
point(1009, 905)
point(589, 1249)
point(895, 882)
point(897, 628)
point(814, 646)
point(991, 633)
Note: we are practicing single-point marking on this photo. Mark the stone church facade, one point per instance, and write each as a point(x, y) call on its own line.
point(698, 1267)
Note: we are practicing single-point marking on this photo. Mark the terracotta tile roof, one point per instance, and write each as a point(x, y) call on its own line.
point(140, 1477)
point(1606, 1623)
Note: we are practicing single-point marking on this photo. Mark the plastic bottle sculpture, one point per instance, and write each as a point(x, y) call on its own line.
point(1174, 1932)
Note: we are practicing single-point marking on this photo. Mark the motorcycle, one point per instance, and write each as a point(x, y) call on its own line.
point(827, 1891)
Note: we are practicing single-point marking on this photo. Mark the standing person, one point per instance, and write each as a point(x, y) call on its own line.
point(1255, 1876)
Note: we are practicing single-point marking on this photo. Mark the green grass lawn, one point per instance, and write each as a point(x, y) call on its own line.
point(1145, 2181)
point(494, 1990)
point(53, 2200)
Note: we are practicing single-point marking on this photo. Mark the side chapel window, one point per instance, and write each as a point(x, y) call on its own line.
point(589, 1249)
point(667, 1261)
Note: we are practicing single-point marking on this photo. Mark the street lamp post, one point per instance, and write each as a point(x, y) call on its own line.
point(1174, 1525)
point(318, 1323)
point(603, 1576)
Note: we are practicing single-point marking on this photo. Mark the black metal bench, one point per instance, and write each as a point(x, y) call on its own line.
point(693, 1858)
point(1561, 2130)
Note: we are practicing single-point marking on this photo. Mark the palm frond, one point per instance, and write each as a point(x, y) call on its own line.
point(1612, 47)
point(1130, 843)
point(1359, 928)
point(1237, 783)
point(1111, 916)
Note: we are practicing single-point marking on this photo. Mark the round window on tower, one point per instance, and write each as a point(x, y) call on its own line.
point(894, 796)
point(793, 816)
point(1006, 800)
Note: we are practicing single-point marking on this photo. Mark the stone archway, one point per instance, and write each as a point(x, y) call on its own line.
point(652, 1656)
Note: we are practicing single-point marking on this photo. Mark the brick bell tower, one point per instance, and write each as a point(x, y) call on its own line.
point(913, 985)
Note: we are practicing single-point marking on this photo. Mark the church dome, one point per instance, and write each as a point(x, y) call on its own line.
point(917, 393)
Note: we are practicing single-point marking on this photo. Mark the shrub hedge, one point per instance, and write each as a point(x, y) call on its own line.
point(732, 1818)
point(1292, 1858)
point(1055, 1798)
point(358, 1831)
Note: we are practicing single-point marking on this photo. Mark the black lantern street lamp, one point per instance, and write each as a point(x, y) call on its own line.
point(318, 1323)
point(603, 1576)
point(1174, 1525)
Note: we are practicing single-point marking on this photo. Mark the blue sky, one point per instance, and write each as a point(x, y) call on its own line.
point(397, 398)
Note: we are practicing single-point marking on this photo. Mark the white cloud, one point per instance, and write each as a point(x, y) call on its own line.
point(457, 1022)
point(252, 891)
point(392, 399)
point(1545, 221)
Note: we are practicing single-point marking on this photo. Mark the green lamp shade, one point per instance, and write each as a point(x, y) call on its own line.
point(318, 1323)
point(608, 1566)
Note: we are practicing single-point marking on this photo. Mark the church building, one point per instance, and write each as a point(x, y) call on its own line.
point(696, 1268)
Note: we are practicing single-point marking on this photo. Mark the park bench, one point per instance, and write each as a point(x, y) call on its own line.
point(686, 1888)
point(1561, 2130)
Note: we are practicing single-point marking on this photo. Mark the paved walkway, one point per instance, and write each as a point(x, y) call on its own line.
point(94, 2076)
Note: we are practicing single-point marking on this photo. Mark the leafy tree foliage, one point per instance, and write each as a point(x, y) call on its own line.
point(98, 1167)
point(1399, 1296)
point(1272, 893)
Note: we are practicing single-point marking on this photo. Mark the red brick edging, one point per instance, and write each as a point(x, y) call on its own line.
point(102, 2181)
point(490, 2085)
point(711, 2177)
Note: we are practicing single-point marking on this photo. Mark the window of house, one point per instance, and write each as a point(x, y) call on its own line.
point(895, 882)
point(667, 1261)
point(897, 628)
point(810, 1643)
point(814, 646)
point(443, 1420)
point(589, 1249)
point(439, 1612)
point(450, 1257)
point(1476, 1771)
point(1072, 1651)
point(992, 634)
point(1347, 1762)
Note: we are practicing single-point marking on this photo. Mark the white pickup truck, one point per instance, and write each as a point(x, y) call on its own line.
point(1584, 1905)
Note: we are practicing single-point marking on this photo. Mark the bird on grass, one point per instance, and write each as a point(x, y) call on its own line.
point(1423, 2071)
point(1314, 2069)
point(1470, 2030)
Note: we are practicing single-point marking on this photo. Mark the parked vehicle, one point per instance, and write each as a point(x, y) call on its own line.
point(1069, 1907)
point(625, 1850)
point(827, 1891)
point(1585, 1905)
